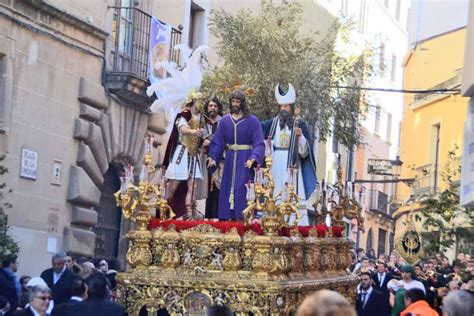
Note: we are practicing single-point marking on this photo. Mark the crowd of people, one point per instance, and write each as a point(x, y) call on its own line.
point(69, 287)
point(388, 287)
point(391, 287)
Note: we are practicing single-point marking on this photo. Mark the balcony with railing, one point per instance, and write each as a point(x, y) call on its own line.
point(426, 181)
point(421, 99)
point(378, 201)
point(127, 76)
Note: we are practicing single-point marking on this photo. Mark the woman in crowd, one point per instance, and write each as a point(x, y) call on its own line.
point(39, 298)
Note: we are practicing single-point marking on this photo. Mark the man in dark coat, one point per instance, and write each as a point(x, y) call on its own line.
point(381, 278)
point(9, 283)
point(96, 303)
point(79, 293)
point(59, 279)
point(370, 302)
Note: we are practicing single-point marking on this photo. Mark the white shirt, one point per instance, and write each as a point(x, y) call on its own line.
point(57, 276)
point(381, 277)
point(414, 284)
point(76, 298)
point(35, 313)
point(365, 297)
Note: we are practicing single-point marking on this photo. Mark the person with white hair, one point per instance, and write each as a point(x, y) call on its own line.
point(39, 298)
point(458, 303)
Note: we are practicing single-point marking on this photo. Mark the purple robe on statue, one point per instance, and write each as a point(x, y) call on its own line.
point(248, 132)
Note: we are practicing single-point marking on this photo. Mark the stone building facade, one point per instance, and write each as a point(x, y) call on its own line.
point(70, 119)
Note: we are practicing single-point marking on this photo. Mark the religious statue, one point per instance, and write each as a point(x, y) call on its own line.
point(292, 145)
point(217, 260)
point(238, 135)
point(182, 156)
point(188, 258)
point(211, 183)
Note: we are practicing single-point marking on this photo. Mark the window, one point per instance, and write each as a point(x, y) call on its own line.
point(435, 144)
point(389, 127)
point(362, 16)
point(6, 88)
point(382, 58)
point(381, 243)
point(391, 242)
point(378, 112)
point(398, 10)
point(344, 5)
point(369, 240)
point(196, 26)
point(393, 74)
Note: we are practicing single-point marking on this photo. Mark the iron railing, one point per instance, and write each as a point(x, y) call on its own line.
point(131, 39)
point(378, 201)
point(426, 180)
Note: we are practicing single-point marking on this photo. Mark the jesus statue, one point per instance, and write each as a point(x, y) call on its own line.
point(240, 136)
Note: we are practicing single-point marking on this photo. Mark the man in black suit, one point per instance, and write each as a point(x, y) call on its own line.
point(96, 303)
point(9, 283)
point(79, 293)
point(59, 279)
point(381, 278)
point(370, 302)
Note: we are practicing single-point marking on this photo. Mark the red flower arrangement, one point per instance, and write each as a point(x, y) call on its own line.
point(337, 231)
point(226, 226)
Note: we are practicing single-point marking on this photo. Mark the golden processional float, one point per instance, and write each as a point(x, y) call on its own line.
point(262, 267)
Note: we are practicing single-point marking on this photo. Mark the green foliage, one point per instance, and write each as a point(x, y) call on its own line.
point(7, 245)
point(261, 50)
point(443, 216)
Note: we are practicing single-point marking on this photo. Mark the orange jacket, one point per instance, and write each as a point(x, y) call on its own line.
point(420, 308)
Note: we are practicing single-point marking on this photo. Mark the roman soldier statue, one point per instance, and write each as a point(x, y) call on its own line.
point(182, 157)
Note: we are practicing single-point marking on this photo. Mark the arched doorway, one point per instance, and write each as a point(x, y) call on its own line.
point(109, 217)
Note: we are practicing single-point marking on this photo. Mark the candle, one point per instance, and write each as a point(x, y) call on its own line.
point(143, 174)
point(123, 185)
point(148, 143)
point(268, 147)
point(250, 196)
point(285, 196)
point(258, 175)
point(290, 176)
point(128, 173)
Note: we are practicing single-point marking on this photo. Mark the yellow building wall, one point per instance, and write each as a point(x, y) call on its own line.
point(428, 64)
point(431, 63)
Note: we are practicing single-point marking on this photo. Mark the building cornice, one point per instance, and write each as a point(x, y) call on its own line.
point(42, 17)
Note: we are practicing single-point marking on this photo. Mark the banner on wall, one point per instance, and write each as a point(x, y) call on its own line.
point(159, 50)
point(467, 162)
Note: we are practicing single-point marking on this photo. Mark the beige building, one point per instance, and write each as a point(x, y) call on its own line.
point(74, 112)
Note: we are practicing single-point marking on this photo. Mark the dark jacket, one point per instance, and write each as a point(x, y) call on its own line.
point(375, 304)
point(382, 287)
point(61, 309)
point(24, 312)
point(8, 289)
point(96, 307)
point(62, 290)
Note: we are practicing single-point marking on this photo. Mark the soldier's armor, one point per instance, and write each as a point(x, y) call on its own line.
point(191, 142)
